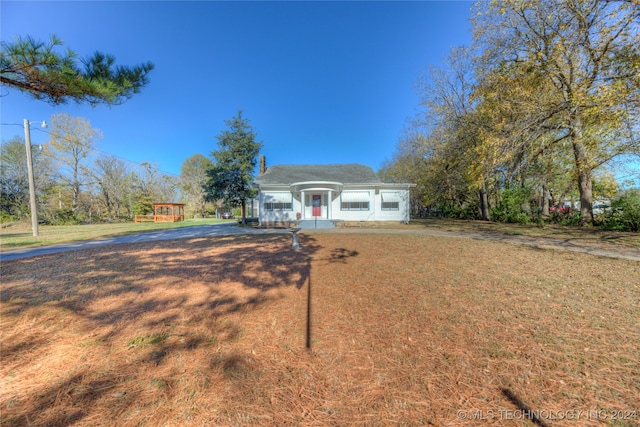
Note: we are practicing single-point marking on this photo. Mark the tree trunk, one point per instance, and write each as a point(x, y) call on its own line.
point(107, 202)
point(244, 217)
point(75, 186)
point(484, 203)
point(74, 202)
point(586, 196)
point(583, 172)
point(545, 201)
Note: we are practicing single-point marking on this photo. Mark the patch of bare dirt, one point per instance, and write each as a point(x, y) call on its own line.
point(354, 329)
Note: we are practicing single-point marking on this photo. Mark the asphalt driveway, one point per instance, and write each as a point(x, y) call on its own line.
point(223, 229)
point(230, 228)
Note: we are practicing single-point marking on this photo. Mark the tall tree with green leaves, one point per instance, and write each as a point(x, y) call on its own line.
point(36, 68)
point(193, 177)
point(231, 177)
point(457, 151)
point(584, 58)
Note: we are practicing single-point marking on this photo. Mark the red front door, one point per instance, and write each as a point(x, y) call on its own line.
point(316, 203)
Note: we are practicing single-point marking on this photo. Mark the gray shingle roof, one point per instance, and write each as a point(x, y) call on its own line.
point(346, 174)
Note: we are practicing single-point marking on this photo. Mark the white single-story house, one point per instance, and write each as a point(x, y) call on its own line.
point(338, 193)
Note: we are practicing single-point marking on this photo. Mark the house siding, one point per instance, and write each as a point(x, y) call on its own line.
point(333, 209)
point(291, 180)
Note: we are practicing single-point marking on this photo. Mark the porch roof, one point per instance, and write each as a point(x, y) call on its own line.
point(316, 185)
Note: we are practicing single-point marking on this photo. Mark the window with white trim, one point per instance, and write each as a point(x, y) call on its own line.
point(390, 201)
point(354, 201)
point(278, 202)
point(277, 206)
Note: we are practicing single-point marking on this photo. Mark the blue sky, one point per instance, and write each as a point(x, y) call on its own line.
point(320, 82)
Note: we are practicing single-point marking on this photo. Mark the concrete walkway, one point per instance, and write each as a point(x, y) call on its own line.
point(228, 229)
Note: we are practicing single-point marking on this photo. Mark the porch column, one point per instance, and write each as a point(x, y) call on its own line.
point(329, 205)
point(302, 199)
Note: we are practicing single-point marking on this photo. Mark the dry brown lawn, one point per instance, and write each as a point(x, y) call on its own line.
point(354, 329)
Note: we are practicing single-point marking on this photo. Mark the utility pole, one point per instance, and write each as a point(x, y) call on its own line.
point(32, 184)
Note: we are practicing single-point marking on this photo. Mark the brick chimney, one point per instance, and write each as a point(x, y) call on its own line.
point(263, 164)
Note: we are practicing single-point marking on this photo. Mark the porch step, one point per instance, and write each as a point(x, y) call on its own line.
point(312, 223)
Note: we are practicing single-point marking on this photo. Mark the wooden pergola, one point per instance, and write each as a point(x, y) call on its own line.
point(168, 212)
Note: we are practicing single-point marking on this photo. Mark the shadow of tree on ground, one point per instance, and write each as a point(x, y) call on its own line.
point(139, 305)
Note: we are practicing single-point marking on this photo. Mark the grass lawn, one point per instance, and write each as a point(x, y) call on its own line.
point(354, 329)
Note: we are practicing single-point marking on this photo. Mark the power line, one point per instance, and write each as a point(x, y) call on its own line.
point(94, 149)
point(111, 154)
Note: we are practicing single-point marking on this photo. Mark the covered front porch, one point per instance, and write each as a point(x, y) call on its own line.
point(316, 198)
